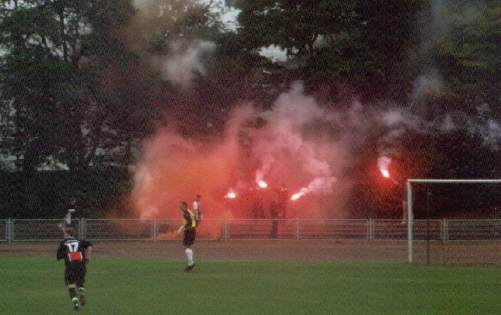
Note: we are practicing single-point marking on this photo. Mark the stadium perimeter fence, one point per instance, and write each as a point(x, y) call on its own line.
point(19, 230)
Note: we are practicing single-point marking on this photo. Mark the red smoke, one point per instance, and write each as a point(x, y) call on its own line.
point(174, 168)
point(234, 179)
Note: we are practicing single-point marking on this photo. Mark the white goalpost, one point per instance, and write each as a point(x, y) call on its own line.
point(410, 214)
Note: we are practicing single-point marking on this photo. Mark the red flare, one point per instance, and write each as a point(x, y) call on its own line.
point(231, 195)
point(384, 165)
point(262, 184)
point(385, 173)
point(298, 195)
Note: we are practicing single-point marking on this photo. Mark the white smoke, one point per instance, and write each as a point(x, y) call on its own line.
point(184, 62)
point(492, 134)
point(444, 15)
point(427, 84)
point(286, 137)
point(179, 54)
point(143, 5)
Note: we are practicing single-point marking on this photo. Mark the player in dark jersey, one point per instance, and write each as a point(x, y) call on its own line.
point(76, 255)
point(189, 229)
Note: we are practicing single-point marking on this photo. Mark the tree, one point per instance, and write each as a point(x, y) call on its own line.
point(468, 56)
point(391, 36)
point(357, 44)
point(58, 57)
point(180, 41)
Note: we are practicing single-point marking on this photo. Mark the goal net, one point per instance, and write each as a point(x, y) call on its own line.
point(491, 224)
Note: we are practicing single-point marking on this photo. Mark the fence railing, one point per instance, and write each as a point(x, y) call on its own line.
point(13, 230)
point(4, 230)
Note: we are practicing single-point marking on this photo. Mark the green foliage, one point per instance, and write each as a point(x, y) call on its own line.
point(166, 22)
point(469, 56)
point(361, 43)
point(79, 90)
point(45, 194)
point(57, 88)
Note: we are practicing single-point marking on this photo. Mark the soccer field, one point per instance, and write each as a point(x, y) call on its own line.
point(34, 285)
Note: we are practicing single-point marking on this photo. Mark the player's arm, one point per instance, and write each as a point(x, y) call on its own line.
point(60, 251)
point(87, 247)
point(88, 253)
point(181, 229)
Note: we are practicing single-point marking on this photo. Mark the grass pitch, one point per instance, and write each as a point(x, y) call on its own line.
point(34, 285)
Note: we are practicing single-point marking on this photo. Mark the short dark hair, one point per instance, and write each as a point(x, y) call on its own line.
point(184, 204)
point(70, 231)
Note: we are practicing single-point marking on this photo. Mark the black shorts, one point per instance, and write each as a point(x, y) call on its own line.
point(75, 274)
point(189, 237)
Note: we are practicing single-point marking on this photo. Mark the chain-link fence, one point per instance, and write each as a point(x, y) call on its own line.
point(118, 229)
point(4, 230)
point(397, 230)
point(333, 229)
point(242, 229)
point(262, 229)
point(473, 230)
point(211, 229)
point(38, 229)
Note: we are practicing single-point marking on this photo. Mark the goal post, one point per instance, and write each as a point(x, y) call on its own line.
point(410, 214)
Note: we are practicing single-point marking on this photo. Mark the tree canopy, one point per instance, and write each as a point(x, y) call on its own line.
point(83, 83)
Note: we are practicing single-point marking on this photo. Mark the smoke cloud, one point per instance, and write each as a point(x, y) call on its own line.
point(307, 146)
point(289, 149)
point(184, 62)
point(444, 15)
point(157, 34)
point(303, 145)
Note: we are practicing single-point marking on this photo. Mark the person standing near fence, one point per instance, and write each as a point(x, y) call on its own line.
point(189, 229)
point(274, 216)
point(283, 200)
point(69, 220)
point(197, 208)
point(76, 254)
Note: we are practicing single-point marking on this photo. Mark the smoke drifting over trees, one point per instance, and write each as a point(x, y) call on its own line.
point(164, 88)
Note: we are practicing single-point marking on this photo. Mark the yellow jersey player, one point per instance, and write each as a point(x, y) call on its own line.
point(189, 229)
point(197, 208)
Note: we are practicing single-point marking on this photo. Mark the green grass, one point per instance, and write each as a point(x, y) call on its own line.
point(132, 286)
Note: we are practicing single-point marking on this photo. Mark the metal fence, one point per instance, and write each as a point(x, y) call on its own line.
point(4, 230)
point(244, 229)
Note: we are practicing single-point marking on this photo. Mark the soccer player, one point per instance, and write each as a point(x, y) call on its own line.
point(68, 218)
point(189, 229)
point(197, 208)
point(76, 255)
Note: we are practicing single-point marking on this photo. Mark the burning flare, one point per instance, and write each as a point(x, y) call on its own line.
point(262, 184)
point(384, 165)
point(231, 195)
point(299, 194)
point(296, 196)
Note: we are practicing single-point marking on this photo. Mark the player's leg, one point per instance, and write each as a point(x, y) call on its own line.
point(71, 282)
point(72, 288)
point(80, 285)
point(189, 258)
point(189, 239)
